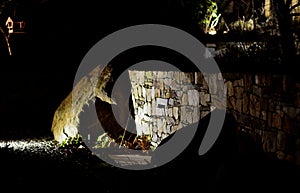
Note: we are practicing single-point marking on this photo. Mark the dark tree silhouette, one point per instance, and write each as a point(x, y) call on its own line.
point(283, 10)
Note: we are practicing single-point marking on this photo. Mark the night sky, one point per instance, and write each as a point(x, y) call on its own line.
point(40, 73)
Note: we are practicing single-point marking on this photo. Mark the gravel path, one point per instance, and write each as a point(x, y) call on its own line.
point(42, 160)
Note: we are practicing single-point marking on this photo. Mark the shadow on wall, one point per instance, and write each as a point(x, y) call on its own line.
point(234, 163)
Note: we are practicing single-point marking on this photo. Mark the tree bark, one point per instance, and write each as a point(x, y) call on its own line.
point(285, 26)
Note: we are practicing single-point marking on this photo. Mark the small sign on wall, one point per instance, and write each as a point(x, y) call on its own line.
point(161, 105)
point(161, 102)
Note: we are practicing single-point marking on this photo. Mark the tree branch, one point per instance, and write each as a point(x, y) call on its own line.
point(7, 41)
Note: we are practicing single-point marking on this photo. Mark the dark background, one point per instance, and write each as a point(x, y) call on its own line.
point(41, 70)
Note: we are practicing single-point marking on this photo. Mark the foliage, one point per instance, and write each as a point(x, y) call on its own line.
point(139, 142)
point(103, 141)
point(242, 25)
point(263, 53)
point(142, 142)
point(72, 141)
point(206, 13)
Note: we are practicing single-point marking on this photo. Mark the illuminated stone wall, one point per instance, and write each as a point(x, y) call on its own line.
point(266, 106)
point(167, 101)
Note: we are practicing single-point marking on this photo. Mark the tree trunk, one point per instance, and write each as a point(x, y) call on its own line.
point(285, 26)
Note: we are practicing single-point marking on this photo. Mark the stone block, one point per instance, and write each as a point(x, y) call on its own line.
point(269, 141)
point(170, 112)
point(189, 117)
point(290, 111)
point(184, 99)
point(171, 102)
point(276, 120)
point(184, 78)
point(160, 112)
point(212, 84)
point(257, 90)
point(175, 112)
point(281, 141)
point(238, 92)
point(205, 99)
point(239, 105)
point(233, 102)
point(245, 103)
point(230, 90)
point(193, 97)
point(288, 124)
point(196, 114)
point(254, 106)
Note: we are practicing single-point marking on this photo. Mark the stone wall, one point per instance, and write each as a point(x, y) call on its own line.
point(267, 106)
point(167, 101)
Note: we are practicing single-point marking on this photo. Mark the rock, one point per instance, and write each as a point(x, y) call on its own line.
point(66, 117)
